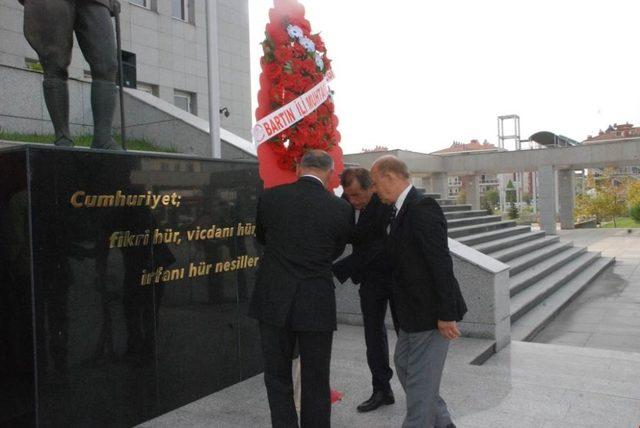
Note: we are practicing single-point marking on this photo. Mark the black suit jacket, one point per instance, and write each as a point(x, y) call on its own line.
point(368, 264)
point(304, 228)
point(425, 289)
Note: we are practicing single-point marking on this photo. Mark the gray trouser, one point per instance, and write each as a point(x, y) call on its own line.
point(419, 359)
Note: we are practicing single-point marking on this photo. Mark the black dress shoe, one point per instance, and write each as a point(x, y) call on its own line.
point(377, 399)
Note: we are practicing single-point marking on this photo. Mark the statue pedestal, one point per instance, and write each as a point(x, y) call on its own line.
point(125, 280)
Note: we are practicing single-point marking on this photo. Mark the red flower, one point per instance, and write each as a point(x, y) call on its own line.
point(288, 71)
point(308, 66)
point(300, 22)
point(276, 93)
point(299, 51)
point(277, 34)
point(317, 40)
point(273, 71)
point(283, 54)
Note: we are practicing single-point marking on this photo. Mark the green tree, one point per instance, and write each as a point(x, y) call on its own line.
point(634, 213)
point(514, 212)
point(526, 198)
point(633, 192)
point(510, 191)
point(605, 204)
point(492, 198)
point(461, 198)
point(485, 205)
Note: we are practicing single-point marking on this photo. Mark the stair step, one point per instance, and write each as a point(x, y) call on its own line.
point(465, 214)
point(480, 238)
point(510, 253)
point(508, 242)
point(534, 256)
point(536, 293)
point(443, 202)
point(530, 324)
point(469, 221)
point(529, 277)
point(449, 208)
point(479, 228)
point(435, 196)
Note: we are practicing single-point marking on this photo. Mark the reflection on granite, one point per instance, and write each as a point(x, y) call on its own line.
point(109, 350)
point(17, 373)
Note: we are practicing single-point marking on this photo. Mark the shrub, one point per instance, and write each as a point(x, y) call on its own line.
point(514, 212)
point(634, 213)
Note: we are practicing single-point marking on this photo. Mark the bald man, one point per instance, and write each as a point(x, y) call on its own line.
point(426, 294)
point(303, 228)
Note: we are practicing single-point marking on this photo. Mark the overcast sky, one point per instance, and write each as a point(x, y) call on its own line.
point(418, 75)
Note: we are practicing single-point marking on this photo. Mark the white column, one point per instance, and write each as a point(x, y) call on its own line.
point(547, 201)
point(213, 73)
point(471, 185)
point(440, 184)
point(566, 195)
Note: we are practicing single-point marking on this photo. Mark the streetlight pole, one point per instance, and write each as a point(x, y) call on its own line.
point(212, 74)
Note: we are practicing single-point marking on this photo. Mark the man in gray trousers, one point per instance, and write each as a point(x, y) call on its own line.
point(426, 294)
point(48, 27)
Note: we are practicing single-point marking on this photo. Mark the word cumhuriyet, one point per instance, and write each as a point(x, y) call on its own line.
point(119, 199)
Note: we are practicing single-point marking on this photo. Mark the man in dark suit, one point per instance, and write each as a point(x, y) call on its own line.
point(304, 228)
point(426, 293)
point(368, 266)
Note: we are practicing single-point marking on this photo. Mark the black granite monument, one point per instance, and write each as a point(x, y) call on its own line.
point(124, 280)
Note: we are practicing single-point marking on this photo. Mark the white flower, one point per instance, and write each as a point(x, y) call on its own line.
point(319, 61)
point(294, 31)
point(308, 44)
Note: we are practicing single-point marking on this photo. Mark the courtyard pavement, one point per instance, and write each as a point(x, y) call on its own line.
point(525, 385)
point(607, 314)
point(564, 382)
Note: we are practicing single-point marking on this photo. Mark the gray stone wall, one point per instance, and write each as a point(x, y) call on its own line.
point(147, 117)
point(484, 283)
point(22, 107)
point(171, 54)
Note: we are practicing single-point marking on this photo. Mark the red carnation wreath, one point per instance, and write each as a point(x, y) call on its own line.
point(294, 61)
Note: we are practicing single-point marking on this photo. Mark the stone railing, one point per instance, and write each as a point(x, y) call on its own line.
point(484, 283)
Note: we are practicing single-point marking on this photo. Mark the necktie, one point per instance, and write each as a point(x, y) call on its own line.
point(392, 217)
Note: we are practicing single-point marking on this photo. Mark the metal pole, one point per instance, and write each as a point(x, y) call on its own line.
point(212, 74)
point(123, 134)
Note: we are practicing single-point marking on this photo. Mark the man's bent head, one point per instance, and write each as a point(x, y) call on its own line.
point(390, 177)
point(357, 186)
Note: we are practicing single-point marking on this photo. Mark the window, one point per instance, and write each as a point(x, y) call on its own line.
point(148, 88)
point(180, 9)
point(185, 100)
point(141, 3)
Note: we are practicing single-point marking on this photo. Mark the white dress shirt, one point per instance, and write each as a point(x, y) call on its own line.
point(402, 197)
point(400, 202)
point(309, 175)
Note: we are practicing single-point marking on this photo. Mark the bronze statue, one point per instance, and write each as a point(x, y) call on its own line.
point(49, 26)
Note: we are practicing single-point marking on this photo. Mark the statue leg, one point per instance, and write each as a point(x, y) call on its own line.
point(48, 27)
point(94, 30)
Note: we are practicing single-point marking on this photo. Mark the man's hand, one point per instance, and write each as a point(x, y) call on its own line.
point(448, 329)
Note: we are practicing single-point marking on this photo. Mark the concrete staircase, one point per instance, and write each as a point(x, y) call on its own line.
point(545, 275)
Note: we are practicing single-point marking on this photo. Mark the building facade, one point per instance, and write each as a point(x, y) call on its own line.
point(457, 183)
point(168, 38)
